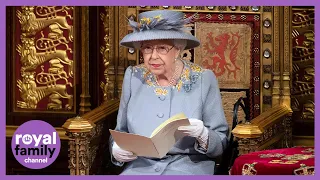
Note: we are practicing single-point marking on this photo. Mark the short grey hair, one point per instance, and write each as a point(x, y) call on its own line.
point(180, 43)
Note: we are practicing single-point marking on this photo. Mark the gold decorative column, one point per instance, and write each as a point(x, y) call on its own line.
point(105, 51)
point(247, 135)
point(85, 96)
point(108, 50)
point(276, 59)
point(287, 65)
point(285, 97)
point(79, 131)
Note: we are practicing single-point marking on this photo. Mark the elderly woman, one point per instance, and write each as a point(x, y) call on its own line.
point(163, 86)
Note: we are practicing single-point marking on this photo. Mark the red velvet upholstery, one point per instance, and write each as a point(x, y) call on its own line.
point(287, 161)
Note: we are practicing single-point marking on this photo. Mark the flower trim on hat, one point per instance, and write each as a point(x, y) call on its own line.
point(189, 76)
point(160, 23)
point(147, 21)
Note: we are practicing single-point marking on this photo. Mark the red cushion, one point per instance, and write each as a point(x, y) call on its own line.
point(287, 161)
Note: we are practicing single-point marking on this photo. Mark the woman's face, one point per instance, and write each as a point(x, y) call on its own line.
point(159, 56)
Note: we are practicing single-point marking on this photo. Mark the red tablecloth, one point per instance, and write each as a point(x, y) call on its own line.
point(287, 161)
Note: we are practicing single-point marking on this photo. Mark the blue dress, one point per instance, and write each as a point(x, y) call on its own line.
point(144, 105)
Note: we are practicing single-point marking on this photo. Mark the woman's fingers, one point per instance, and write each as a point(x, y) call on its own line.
point(124, 152)
point(124, 158)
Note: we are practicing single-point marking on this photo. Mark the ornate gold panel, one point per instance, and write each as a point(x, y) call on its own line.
point(108, 51)
point(44, 62)
point(105, 50)
point(276, 59)
point(303, 70)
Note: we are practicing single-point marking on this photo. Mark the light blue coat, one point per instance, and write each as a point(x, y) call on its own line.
point(144, 106)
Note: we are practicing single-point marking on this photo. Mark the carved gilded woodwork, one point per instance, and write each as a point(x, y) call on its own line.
point(72, 156)
point(78, 153)
point(105, 50)
point(303, 69)
point(31, 58)
point(79, 130)
point(247, 145)
point(276, 58)
point(85, 105)
point(32, 94)
point(45, 58)
point(31, 24)
point(95, 134)
point(303, 17)
point(270, 138)
point(84, 132)
point(107, 19)
point(286, 39)
point(288, 131)
point(287, 62)
point(271, 129)
point(122, 23)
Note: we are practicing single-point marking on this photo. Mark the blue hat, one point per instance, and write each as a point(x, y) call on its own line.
point(160, 25)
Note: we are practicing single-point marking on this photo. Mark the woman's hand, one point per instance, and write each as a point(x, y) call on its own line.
point(196, 129)
point(122, 155)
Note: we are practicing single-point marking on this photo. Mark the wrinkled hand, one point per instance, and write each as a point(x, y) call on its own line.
point(196, 129)
point(122, 155)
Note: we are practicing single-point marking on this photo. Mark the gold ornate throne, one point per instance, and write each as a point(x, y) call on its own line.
point(240, 44)
point(66, 61)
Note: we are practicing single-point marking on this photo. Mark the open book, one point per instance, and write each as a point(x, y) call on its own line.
point(158, 144)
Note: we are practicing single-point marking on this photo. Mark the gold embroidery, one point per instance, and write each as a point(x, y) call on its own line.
point(248, 169)
point(275, 161)
point(282, 162)
point(186, 74)
point(277, 155)
point(160, 91)
point(304, 170)
point(309, 150)
point(149, 82)
point(184, 78)
point(290, 162)
point(291, 159)
point(179, 85)
point(196, 68)
point(298, 157)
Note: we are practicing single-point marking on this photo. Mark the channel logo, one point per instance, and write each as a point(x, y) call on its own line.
point(35, 144)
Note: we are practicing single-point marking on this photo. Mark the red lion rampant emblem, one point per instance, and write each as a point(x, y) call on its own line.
point(222, 53)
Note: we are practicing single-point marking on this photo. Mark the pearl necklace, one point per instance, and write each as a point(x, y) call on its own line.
point(173, 79)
